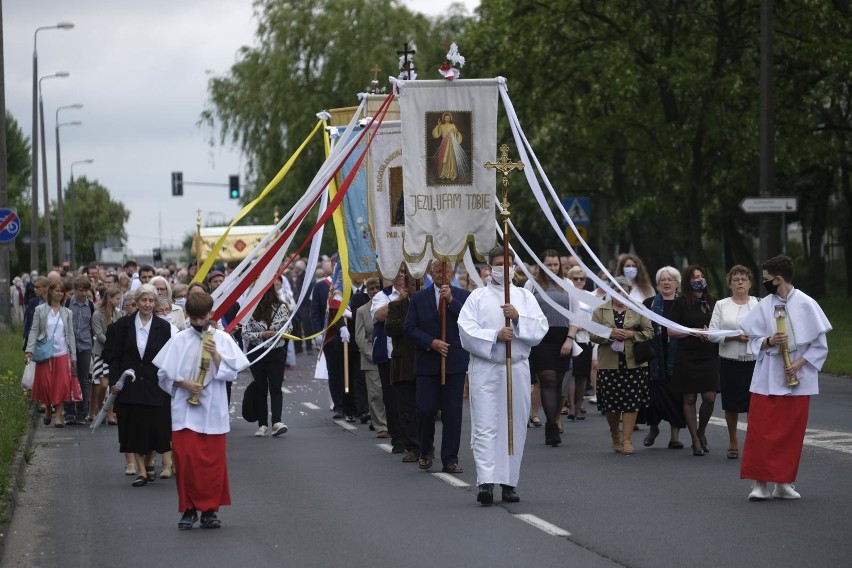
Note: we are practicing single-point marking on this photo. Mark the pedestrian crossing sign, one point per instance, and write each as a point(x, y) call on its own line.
point(578, 209)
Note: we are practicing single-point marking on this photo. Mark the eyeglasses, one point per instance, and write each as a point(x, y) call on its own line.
point(162, 289)
point(579, 279)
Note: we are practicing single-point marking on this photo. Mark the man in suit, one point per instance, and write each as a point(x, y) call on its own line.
point(423, 327)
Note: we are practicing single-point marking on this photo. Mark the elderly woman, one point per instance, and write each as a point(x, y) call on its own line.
point(736, 361)
point(549, 359)
point(665, 403)
point(53, 376)
point(164, 290)
point(144, 421)
point(696, 367)
point(581, 365)
point(622, 383)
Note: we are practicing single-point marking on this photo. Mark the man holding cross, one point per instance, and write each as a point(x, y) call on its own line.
point(484, 334)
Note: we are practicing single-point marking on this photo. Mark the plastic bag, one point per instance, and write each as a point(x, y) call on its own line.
point(28, 378)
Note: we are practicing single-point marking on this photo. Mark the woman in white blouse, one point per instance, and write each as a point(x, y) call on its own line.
point(736, 361)
point(52, 384)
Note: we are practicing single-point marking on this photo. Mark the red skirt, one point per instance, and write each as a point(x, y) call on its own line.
point(774, 439)
point(202, 470)
point(52, 382)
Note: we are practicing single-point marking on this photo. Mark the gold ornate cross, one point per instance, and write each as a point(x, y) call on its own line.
point(375, 71)
point(504, 166)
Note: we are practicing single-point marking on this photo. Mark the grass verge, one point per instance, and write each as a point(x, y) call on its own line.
point(14, 407)
point(839, 355)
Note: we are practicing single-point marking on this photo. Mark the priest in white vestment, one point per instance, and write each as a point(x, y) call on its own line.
point(778, 413)
point(198, 431)
point(483, 333)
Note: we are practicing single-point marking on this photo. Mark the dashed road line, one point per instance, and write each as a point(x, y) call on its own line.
point(344, 424)
point(542, 525)
point(450, 479)
point(386, 447)
point(286, 390)
point(310, 405)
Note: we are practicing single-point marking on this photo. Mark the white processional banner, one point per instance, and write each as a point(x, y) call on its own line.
point(385, 190)
point(449, 131)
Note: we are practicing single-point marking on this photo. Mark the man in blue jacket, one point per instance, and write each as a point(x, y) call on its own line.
point(423, 327)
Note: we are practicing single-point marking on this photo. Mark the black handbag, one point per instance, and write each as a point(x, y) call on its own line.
point(643, 351)
point(249, 408)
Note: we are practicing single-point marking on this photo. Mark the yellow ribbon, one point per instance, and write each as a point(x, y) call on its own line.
point(214, 253)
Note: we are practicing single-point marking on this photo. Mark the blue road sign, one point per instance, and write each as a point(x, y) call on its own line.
point(578, 209)
point(10, 225)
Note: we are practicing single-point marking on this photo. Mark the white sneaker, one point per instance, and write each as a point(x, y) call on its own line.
point(785, 491)
point(278, 428)
point(759, 492)
point(261, 432)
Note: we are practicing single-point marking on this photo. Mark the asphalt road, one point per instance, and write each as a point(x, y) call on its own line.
point(327, 495)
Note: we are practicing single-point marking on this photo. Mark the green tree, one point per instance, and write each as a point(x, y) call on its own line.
point(97, 216)
point(18, 173)
point(312, 55)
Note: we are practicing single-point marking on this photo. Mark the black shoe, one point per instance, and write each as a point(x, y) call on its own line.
point(189, 518)
point(551, 435)
point(509, 494)
point(350, 418)
point(372, 428)
point(411, 456)
point(338, 416)
point(209, 520)
point(365, 418)
point(425, 462)
point(398, 450)
point(486, 494)
point(651, 437)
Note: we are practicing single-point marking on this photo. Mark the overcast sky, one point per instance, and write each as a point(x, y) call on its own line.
point(140, 69)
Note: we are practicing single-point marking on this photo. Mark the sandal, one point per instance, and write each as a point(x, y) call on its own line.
point(189, 518)
point(535, 421)
point(150, 475)
point(733, 453)
point(167, 472)
point(627, 448)
point(140, 481)
point(130, 469)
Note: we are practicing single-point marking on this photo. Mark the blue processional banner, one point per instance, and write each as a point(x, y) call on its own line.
point(362, 251)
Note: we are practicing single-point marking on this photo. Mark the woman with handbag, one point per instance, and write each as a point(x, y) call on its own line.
point(51, 345)
point(267, 321)
point(622, 383)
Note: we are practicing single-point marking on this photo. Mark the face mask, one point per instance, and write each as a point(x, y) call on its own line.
point(769, 286)
point(698, 286)
point(497, 274)
point(630, 272)
point(163, 316)
point(180, 302)
point(199, 328)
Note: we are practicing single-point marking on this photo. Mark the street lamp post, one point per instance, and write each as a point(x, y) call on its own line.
point(48, 232)
point(34, 205)
point(60, 218)
point(71, 198)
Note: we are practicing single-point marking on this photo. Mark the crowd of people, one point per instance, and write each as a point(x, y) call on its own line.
point(662, 349)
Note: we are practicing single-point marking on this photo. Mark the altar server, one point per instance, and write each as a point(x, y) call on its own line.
point(198, 431)
point(484, 333)
point(778, 412)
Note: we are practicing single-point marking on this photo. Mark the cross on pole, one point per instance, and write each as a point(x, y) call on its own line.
point(504, 166)
point(406, 66)
point(375, 71)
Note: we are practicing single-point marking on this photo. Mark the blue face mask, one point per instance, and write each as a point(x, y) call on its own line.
point(699, 285)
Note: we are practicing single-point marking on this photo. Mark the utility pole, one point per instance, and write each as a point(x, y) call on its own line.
point(769, 233)
point(5, 280)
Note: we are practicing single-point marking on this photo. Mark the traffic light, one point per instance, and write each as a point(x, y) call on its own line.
point(234, 187)
point(177, 184)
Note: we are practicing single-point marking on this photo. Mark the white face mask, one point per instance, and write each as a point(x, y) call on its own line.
point(497, 274)
point(630, 272)
point(180, 302)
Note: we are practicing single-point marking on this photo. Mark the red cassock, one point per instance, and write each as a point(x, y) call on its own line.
point(202, 470)
point(774, 439)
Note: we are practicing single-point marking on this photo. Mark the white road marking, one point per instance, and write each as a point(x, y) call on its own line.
point(345, 424)
point(386, 447)
point(310, 405)
point(285, 390)
point(451, 479)
point(833, 440)
point(542, 525)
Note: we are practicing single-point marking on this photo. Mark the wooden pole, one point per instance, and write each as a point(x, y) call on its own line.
point(443, 324)
point(504, 166)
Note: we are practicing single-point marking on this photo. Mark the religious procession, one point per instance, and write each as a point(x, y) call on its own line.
point(430, 305)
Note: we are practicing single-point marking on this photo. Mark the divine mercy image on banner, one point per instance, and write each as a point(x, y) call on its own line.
point(448, 145)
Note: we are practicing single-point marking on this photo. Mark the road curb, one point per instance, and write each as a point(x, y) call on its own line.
point(16, 473)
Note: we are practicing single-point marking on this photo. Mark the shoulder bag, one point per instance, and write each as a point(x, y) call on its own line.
point(44, 347)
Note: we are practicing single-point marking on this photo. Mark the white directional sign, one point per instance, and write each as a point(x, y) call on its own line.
point(769, 205)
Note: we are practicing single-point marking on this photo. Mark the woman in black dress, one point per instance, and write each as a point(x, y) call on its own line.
point(549, 359)
point(144, 419)
point(696, 367)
